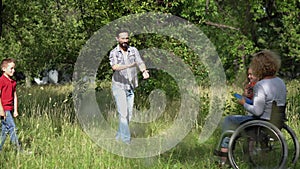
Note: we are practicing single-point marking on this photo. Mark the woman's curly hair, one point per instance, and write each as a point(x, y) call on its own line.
point(265, 63)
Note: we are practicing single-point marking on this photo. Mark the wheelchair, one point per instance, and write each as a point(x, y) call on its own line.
point(259, 143)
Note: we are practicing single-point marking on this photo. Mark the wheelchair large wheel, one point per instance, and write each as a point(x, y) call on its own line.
point(292, 143)
point(257, 144)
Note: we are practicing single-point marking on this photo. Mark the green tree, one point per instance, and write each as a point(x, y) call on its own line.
point(43, 33)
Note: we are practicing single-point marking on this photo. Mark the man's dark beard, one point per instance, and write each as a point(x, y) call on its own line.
point(124, 46)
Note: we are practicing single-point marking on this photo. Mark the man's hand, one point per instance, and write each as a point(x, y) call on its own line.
point(146, 74)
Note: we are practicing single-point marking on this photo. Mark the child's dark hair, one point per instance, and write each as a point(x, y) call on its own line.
point(4, 62)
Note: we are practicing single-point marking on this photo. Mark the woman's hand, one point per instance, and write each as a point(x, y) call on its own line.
point(242, 101)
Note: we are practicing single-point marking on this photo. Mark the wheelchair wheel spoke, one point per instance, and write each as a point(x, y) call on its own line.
point(257, 145)
point(292, 143)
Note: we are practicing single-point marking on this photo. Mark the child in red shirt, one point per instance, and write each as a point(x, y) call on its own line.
point(248, 90)
point(8, 103)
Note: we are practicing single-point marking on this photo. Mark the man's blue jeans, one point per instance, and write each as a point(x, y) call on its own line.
point(8, 126)
point(124, 102)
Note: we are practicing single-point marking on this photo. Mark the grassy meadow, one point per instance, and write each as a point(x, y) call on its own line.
point(48, 127)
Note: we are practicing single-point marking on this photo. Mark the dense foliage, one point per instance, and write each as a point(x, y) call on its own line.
point(45, 34)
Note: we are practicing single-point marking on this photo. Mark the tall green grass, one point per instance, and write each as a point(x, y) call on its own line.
point(48, 127)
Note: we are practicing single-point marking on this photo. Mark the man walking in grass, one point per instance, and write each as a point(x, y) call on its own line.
point(8, 103)
point(124, 60)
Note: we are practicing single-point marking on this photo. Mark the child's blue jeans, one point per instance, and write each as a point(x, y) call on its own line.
point(8, 126)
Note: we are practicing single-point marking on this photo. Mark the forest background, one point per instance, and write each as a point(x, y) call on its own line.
point(44, 34)
point(49, 34)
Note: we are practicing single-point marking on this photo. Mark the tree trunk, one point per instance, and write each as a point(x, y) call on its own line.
point(27, 79)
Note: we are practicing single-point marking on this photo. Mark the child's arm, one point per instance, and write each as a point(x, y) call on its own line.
point(15, 104)
point(2, 113)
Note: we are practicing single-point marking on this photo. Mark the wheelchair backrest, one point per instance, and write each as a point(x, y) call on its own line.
point(278, 116)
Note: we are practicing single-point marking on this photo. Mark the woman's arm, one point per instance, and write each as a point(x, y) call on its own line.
point(259, 101)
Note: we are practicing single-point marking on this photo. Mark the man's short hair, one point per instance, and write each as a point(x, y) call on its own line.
point(121, 31)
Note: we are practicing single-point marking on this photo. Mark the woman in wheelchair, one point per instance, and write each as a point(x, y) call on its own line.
point(265, 65)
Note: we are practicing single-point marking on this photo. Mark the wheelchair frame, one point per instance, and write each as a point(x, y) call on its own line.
point(272, 131)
